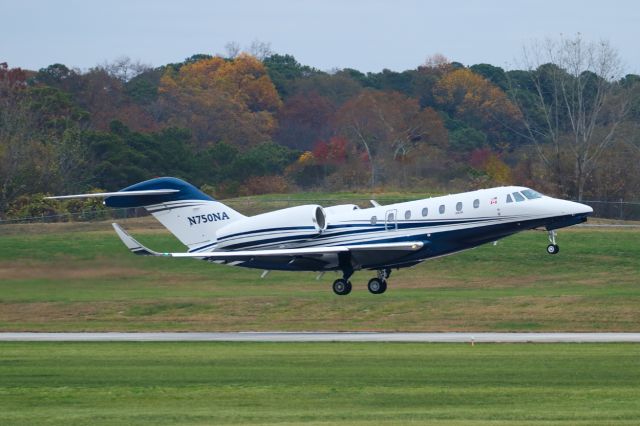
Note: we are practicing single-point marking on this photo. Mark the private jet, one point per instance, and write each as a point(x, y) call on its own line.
point(343, 238)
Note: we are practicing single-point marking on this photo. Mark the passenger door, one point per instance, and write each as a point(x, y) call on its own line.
point(391, 220)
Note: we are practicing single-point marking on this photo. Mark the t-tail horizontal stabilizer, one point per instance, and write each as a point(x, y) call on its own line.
point(132, 244)
point(149, 192)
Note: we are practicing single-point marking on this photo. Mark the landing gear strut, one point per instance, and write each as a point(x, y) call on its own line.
point(378, 285)
point(342, 286)
point(552, 248)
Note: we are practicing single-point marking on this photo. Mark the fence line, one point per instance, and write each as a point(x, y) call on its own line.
point(621, 210)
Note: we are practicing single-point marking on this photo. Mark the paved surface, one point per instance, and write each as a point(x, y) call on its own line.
point(323, 337)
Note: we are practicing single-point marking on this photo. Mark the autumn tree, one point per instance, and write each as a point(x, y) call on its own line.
point(104, 96)
point(218, 99)
point(337, 88)
point(388, 126)
point(495, 171)
point(303, 120)
point(14, 132)
point(468, 96)
point(32, 126)
point(577, 108)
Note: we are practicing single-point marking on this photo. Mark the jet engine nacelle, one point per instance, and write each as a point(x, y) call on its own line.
point(284, 226)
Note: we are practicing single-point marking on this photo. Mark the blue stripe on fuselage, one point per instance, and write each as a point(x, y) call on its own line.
point(259, 231)
point(368, 229)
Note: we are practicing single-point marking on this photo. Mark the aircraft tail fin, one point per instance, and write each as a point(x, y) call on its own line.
point(191, 215)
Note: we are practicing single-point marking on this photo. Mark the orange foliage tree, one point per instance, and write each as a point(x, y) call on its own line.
point(388, 126)
point(222, 100)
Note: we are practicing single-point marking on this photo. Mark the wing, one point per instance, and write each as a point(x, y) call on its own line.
point(137, 248)
point(223, 255)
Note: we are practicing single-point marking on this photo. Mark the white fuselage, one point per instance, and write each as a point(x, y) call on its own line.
point(446, 224)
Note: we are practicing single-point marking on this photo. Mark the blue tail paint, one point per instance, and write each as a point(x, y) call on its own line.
point(187, 192)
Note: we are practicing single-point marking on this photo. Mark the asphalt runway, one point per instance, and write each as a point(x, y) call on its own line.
point(326, 337)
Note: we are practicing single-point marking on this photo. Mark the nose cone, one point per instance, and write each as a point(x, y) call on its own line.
point(573, 208)
point(581, 209)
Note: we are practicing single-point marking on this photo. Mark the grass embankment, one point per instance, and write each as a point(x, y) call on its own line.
point(360, 383)
point(68, 278)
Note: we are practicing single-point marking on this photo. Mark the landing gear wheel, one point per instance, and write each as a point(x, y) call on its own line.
point(341, 287)
point(377, 286)
point(553, 249)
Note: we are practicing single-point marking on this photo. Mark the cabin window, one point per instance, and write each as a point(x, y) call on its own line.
point(425, 212)
point(509, 199)
point(374, 220)
point(441, 209)
point(518, 196)
point(531, 194)
point(459, 206)
point(407, 214)
point(476, 203)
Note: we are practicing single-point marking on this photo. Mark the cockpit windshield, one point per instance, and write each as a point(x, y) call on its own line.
point(531, 194)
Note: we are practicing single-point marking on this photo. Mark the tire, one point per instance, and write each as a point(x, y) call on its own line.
point(553, 249)
point(377, 286)
point(341, 287)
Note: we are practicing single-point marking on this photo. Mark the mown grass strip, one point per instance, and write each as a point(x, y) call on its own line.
point(351, 383)
point(88, 281)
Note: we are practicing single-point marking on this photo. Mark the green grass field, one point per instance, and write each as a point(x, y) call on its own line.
point(79, 277)
point(75, 277)
point(359, 383)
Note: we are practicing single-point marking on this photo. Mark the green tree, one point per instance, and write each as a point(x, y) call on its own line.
point(495, 75)
point(284, 70)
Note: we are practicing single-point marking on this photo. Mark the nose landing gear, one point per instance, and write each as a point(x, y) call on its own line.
point(553, 248)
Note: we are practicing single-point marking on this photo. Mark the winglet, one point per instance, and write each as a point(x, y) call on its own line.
point(374, 203)
point(134, 246)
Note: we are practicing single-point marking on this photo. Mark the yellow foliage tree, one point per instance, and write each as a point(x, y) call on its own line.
point(306, 158)
point(498, 171)
point(470, 95)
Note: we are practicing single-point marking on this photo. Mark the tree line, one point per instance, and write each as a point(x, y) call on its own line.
point(565, 123)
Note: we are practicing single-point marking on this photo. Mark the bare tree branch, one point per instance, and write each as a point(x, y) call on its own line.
point(575, 83)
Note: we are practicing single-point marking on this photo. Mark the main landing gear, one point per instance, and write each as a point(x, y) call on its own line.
point(342, 287)
point(553, 248)
point(377, 285)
